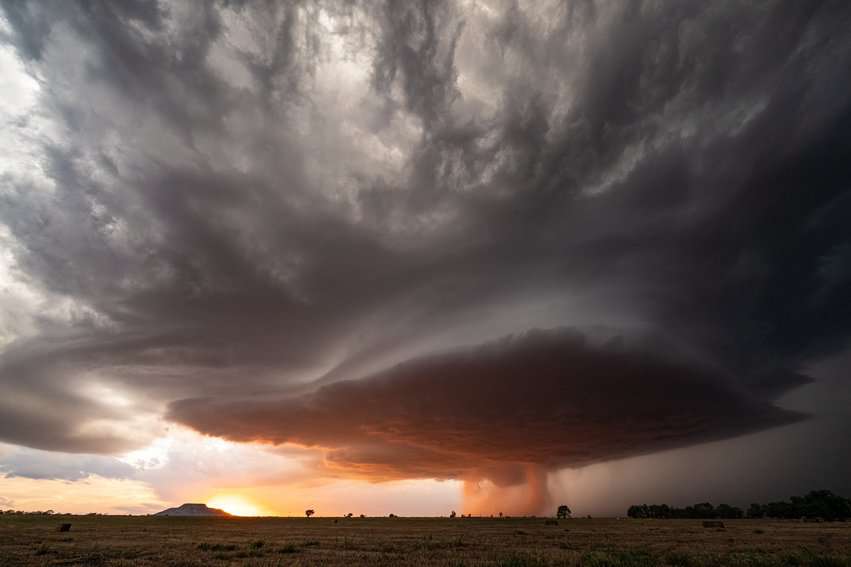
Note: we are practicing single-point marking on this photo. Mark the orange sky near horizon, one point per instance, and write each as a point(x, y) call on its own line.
point(245, 478)
point(112, 496)
point(241, 478)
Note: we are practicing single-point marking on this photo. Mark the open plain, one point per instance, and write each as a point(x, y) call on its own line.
point(136, 541)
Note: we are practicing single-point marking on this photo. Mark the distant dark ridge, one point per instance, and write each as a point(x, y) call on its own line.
point(194, 510)
point(821, 504)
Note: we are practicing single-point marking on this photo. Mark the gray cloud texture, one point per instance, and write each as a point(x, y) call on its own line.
point(271, 222)
point(548, 398)
point(28, 463)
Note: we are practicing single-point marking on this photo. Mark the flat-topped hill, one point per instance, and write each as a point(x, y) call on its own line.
point(194, 510)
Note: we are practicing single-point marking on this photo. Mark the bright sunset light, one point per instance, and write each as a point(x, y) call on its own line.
point(236, 505)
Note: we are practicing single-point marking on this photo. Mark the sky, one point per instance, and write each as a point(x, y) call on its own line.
point(415, 257)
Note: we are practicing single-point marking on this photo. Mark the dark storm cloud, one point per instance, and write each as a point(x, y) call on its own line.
point(672, 170)
point(549, 398)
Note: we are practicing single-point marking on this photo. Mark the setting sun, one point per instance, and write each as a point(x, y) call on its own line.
point(236, 505)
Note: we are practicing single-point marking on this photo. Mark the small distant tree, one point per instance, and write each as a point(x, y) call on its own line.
point(452, 515)
point(362, 516)
point(391, 516)
point(756, 511)
point(704, 511)
point(309, 513)
point(349, 515)
point(563, 512)
point(638, 511)
point(659, 511)
point(500, 514)
point(822, 504)
point(728, 512)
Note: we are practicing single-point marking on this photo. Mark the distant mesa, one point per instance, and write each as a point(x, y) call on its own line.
point(195, 510)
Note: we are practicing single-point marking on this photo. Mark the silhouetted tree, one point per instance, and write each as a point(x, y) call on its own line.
point(756, 511)
point(822, 504)
point(563, 511)
point(780, 510)
point(349, 515)
point(659, 511)
point(638, 511)
point(728, 512)
point(452, 514)
point(816, 504)
point(309, 513)
point(704, 510)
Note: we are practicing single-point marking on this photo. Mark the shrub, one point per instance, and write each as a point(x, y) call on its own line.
point(216, 546)
point(288, 548)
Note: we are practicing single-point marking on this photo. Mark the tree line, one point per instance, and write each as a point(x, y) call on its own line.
point(821, 504)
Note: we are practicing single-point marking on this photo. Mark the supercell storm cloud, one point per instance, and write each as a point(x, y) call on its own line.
point(453, 240)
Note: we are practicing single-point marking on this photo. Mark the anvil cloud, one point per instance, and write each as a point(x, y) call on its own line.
point(431, 239)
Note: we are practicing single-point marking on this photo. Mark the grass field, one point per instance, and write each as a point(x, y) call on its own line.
point(132, 541)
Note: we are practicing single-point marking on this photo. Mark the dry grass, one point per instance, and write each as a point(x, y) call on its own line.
point(135, 541)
